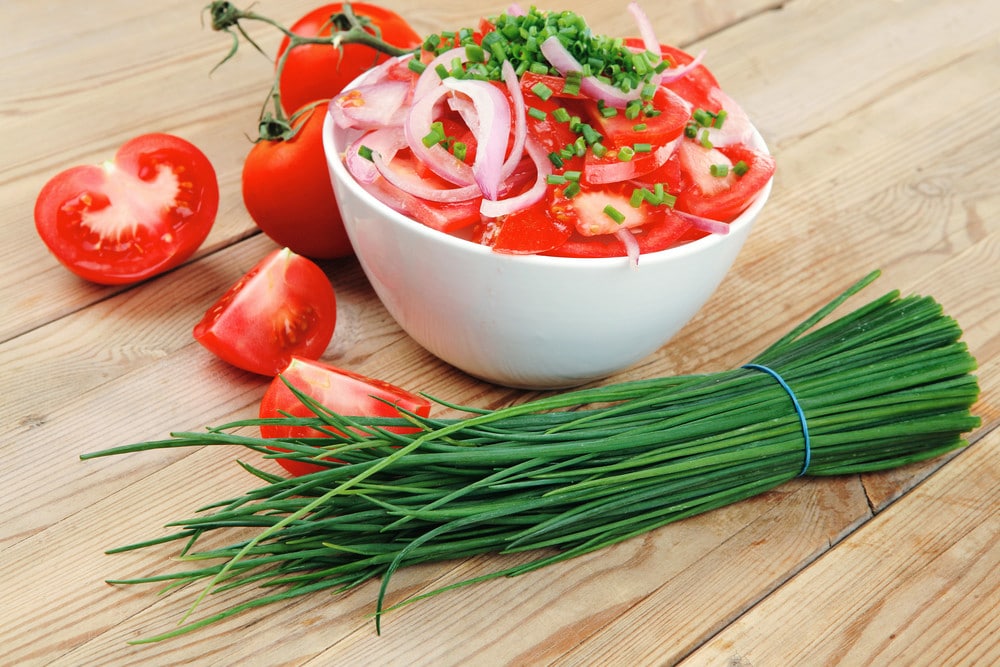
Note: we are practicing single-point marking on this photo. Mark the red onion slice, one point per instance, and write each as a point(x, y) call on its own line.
point(671, 75)
point(736, 128)
point(418, 124)
point(429, 78)
point(492, 133)
point(371, 106)
point(628, 239)
point(384, 141)
point(543, 167)
point(411, 183)
point(615, 171)
point(704, 224)
point(645, 27)
point(520, 118)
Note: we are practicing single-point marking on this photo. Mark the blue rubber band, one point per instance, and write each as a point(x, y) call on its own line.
point(798, 409)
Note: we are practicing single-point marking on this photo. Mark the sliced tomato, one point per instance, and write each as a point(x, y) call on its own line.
point(341, 391)
point(283, 307)
point(134, 217)
point(672, 114)
point(529, 231)
point(720, 198)
point(446, 217)
point(697, 85)
point(655, 227)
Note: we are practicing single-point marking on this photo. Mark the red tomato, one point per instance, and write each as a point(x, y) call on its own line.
point(134, 217)
point(530, 231)
point(695, 86)
point(340, 391)
point(320, 71)
point(287, 192)
point(718, 198)
point(284, 307)
point(655, 227)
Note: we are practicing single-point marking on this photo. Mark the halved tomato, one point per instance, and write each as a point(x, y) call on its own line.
point(133, 217)
point(341, 391)
point(283, 307)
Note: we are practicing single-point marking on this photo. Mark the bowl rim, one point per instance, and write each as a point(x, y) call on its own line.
point(334, 157)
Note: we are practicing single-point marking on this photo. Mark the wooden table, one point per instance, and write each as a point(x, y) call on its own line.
point(883, 118)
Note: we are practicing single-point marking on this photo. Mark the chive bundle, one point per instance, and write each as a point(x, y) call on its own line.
point(883, 386)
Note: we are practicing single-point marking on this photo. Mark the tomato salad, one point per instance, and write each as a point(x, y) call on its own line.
point(532, 135)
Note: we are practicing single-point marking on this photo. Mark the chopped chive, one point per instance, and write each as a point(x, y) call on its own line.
point(590, 135)
point(639, 127)
point(555, 179)
point(459, 149)
point(435, 136)
point(561, 115)
point(719, 170)
point(538, 68)
point(626, 153)
point(632, 109)
point(365, 152)
point(599, 150)
point(442, 71)
point(475, 53)
point(572, 84)
point(609, 112)
point(572, 175)
point(638, 196)
point(702, 117)
point(691, 131)
point(556, 160)
point(704, 139)
point(614, 214)
point(648, 91)
point(741, 168)
point(542, 91)
point(720, 118)
point(537, 114)
point(571, 190)
point(415, 65)
point(432, 42)
point(643, 148)
point(580, 146)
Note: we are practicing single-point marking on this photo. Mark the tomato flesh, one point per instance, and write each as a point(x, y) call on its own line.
point(285, 306)
point(341, 391)
point(133, 217)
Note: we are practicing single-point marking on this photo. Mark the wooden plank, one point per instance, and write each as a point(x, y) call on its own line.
point(916, 586)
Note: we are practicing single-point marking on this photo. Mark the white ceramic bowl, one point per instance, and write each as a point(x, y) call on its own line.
point(527, 321)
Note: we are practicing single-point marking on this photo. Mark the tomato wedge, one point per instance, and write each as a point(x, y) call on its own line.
point(133, 217)
point(341, 391)
point(283, 307)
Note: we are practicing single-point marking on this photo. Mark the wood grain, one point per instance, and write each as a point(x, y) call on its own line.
point(881, 117)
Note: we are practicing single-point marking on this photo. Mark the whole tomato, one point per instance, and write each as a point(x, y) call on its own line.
point(319, 71)
point(287, 191)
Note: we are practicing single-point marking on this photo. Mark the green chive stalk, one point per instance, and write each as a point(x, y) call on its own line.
point(886, 385)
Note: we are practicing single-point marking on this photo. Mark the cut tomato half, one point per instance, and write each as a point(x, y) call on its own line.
point(338, 390)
